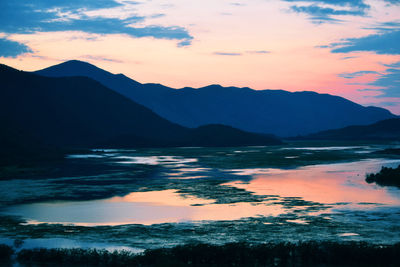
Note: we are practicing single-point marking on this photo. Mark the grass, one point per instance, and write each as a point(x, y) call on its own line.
point(233, 254)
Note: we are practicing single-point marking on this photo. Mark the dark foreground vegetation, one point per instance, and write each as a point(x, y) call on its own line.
point(234, 254)
point(385, 177)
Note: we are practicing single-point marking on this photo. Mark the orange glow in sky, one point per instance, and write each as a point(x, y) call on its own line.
point(256, 43)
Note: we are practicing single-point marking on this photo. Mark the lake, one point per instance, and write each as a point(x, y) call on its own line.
point(148, 198)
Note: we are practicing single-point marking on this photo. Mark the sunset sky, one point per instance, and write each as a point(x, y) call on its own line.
point(349, 48)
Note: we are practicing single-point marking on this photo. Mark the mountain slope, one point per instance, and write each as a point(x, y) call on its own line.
point(266, 111)
point(382, 130)
point(74, 112)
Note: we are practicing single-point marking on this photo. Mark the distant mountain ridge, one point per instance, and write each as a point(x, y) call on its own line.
point(40, 114)
point(382, 130)
point(265, 111)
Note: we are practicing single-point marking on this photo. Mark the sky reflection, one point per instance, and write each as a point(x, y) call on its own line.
point(310, 190)
point(146, 208)
point(328, 184)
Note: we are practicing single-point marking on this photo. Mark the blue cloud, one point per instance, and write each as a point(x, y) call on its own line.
point(393, 2)
point(227, 54)
point(101, 58)
point(385, 26)
point(390, 24)
point(345, 58)
point(49, 15)
point(185, 42)
point(389, 81)
point(324, 19)
point(386, 42)
point(320, 14)
point(324, 14)
point(352, 3)
point(65, 5)
point(10, 48)
point(317, 11)
point(395, 65)
point(389, 104)
point(258, 52)
point(352, 75)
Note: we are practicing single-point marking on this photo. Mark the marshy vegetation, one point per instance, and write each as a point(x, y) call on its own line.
point(233, 254)
point(385, 177)
point(215, 176)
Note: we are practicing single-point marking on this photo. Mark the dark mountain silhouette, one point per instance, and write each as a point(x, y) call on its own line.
point(78, 112)
point(266, 111)
point(382, 130)
point(211, 135)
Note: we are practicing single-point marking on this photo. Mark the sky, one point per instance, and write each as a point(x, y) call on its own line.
point(349, 48)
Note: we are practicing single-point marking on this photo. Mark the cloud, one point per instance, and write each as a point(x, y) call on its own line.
point(10, 48)
point(317, 11)
point(101, 58)
point(393, 2)
point(380, 43)
point(185, 42)
point(385, 26)
point(325, 19)
point(345, 58)
point(156, 16)
point(389, 81)
point(393, 65)
point(389, 104)
point(258, 52)
point(238, 4)
point(227, 54)
point(351, 3)
point(352, 75)
point(48, 16)
point(323, 14)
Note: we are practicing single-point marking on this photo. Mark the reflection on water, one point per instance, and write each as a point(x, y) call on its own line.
point(310, 191)
point(155, 160)
point(142, 208)
point(348, 234)
point(327, 184)
point(167, 197)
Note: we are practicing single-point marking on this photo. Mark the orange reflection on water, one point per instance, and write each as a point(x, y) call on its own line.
point(191, 208)
point(146, 208)
point(321, 183)
point(161, 198)
point(327, 184)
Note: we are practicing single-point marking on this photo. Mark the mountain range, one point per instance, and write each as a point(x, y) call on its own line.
point(382, 130)
point(39, 113)
point(275, 112)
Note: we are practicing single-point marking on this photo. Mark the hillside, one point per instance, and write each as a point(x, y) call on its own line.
point(383, 130)
point(265, 111)
point(78, 112)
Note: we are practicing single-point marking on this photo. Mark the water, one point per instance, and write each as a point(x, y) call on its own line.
point(261, 192)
